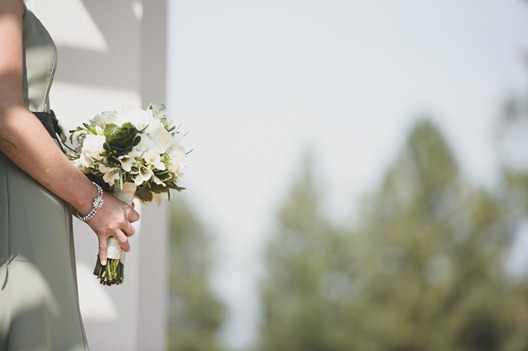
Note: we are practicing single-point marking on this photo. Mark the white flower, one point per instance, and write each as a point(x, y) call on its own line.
point(105, 118)
point(127, 161)
point(135, 116)
point(81, 163)
point(132, 116)
point(162, 138)
point(152, 158)
point(143, 176)
point(152, 123)
point(93, 147)
point(178, 159)
point(144, 145)
point(147, 120)
point(110, 174)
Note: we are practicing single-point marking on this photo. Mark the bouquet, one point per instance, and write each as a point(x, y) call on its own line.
point(133, 153)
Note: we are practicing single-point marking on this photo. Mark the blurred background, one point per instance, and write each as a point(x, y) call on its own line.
point(358, 177)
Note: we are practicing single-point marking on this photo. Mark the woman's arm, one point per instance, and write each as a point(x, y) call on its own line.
point(26, 142)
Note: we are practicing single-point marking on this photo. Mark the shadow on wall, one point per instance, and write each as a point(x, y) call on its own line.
point(115, 20)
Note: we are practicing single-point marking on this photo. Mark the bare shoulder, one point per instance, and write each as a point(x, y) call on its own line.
point(11, 49)
point(11, 13)
point(12, 7)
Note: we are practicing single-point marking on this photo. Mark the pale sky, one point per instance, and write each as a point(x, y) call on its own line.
point(258, 83)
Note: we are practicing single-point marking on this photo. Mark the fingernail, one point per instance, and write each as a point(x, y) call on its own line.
point(103, 263)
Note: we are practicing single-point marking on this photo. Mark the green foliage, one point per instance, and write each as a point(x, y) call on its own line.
point(433, 252)
point(308, 269)
point(422, 270)
point(512, 140)
point(195, 314)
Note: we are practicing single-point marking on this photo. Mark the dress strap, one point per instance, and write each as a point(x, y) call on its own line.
point(51, 123)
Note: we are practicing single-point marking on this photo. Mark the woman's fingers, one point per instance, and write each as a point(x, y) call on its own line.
point(129, 229)
point(133, 216)
point(123, 241)
point(102, 250)
point(103, 244)
point(113, 220)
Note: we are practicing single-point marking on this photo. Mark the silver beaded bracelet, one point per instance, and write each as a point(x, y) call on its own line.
point(96, 205)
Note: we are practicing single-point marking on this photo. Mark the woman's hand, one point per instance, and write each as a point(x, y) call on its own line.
point(115, 219)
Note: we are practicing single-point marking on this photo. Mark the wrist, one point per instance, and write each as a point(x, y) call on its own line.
point(97, 203)
point(82, 199)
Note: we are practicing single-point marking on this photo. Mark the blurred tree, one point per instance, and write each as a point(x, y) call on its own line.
point(433, 253)
point(308, 271)
point(512, 133)
point(195, 314)
point(423, 270)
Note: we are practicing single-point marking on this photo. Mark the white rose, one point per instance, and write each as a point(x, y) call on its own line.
point(135, 116)
point(144, 145)
point(93, 147)
point(162, 138)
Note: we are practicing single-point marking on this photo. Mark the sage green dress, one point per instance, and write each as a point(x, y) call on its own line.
point(39, 306)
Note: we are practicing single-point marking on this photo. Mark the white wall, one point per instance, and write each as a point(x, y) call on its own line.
point(112, 54)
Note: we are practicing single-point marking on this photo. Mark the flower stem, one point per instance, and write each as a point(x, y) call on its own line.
point(113, 273)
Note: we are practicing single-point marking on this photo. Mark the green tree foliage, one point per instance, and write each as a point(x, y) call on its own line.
point(433, 253)
point(195, 314)
point(513, 144)
point(301, 260)
point(423, 269)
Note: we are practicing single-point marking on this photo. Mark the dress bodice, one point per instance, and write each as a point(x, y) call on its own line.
point(39, 305)
point(40, 61)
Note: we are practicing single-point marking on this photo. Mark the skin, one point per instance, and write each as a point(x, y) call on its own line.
point(37, 154)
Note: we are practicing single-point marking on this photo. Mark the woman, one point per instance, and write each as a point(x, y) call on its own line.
point(38, 187)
